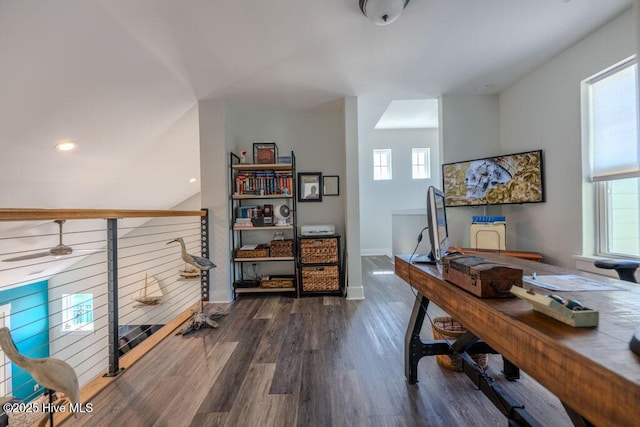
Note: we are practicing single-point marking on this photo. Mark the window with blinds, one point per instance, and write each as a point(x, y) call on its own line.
point(612, 125)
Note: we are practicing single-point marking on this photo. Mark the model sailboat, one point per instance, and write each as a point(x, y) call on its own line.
point(150, 292)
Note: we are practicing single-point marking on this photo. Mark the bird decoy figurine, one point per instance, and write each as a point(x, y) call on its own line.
point(197, 261)
point(51, 373)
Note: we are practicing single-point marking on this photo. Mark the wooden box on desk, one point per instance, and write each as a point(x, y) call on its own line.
point(481, 277)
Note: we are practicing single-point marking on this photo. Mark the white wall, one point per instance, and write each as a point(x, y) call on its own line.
point(470, 129)
point(378, 199)
point(352, 124)
point(543, 111)
point(316, 136)
point(214, 184)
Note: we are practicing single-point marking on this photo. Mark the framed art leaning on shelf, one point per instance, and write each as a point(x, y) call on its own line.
point(265, 153)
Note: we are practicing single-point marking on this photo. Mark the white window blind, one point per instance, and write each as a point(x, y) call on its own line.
point(613, 123)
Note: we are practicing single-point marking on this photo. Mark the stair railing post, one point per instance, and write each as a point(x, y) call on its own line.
point(112, 298)
point(204, 248)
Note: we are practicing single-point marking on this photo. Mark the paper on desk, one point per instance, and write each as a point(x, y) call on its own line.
point(569, 282)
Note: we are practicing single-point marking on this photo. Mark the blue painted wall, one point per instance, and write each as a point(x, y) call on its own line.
point(29, 329)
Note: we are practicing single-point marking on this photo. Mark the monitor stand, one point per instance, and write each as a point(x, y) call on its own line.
point(634, 345)
point(424, 259)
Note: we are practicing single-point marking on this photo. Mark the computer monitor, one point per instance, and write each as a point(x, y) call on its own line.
point(437, 222)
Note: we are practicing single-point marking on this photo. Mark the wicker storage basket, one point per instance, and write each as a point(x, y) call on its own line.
point(447, 328)
point(277, 282)
point(252, 253)
point(319, 251)
point(321, 278)
point(281, 248)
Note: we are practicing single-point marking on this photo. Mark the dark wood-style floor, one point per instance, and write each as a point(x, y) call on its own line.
point(314, 361)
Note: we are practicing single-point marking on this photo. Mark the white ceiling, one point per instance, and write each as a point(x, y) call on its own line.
point(123, 77)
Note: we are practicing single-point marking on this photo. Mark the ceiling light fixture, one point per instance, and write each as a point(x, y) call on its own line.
point(66, 146)
point(382, 12)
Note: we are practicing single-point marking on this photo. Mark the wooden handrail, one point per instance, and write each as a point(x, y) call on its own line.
point(35, 214)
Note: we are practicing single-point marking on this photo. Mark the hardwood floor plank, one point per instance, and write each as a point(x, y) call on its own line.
point(314, 404)
point(332, 300)
point(252, 394)
point(223, 392)
point(333, 332)
point(312, 308)
point(183, 407)
point(209, 420)
point(288, 372)
point(348, 406)
point(271, 343)
point(279, 410)
point(268, 308)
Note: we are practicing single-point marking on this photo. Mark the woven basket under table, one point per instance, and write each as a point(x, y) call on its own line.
point(447, 328)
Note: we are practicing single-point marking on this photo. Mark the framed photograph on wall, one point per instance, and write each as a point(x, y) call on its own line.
point(265, 152)
point(309, 186)
point(331, 185)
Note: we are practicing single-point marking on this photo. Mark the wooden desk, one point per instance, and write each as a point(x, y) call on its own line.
point(532, 256)
point(591, 370)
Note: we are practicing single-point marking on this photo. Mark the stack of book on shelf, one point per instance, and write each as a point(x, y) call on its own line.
point(243, 223)
point(247, 211)
point(264, 183)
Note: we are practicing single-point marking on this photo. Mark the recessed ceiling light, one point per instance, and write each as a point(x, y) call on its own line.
point(192, 180)
point(66, 146)
point(486, 89)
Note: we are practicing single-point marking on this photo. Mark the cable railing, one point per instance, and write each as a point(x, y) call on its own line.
point(91, 287)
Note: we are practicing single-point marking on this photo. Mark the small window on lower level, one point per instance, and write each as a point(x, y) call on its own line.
point(77, 312)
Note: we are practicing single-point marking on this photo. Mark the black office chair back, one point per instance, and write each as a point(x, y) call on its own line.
point(626, 269)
